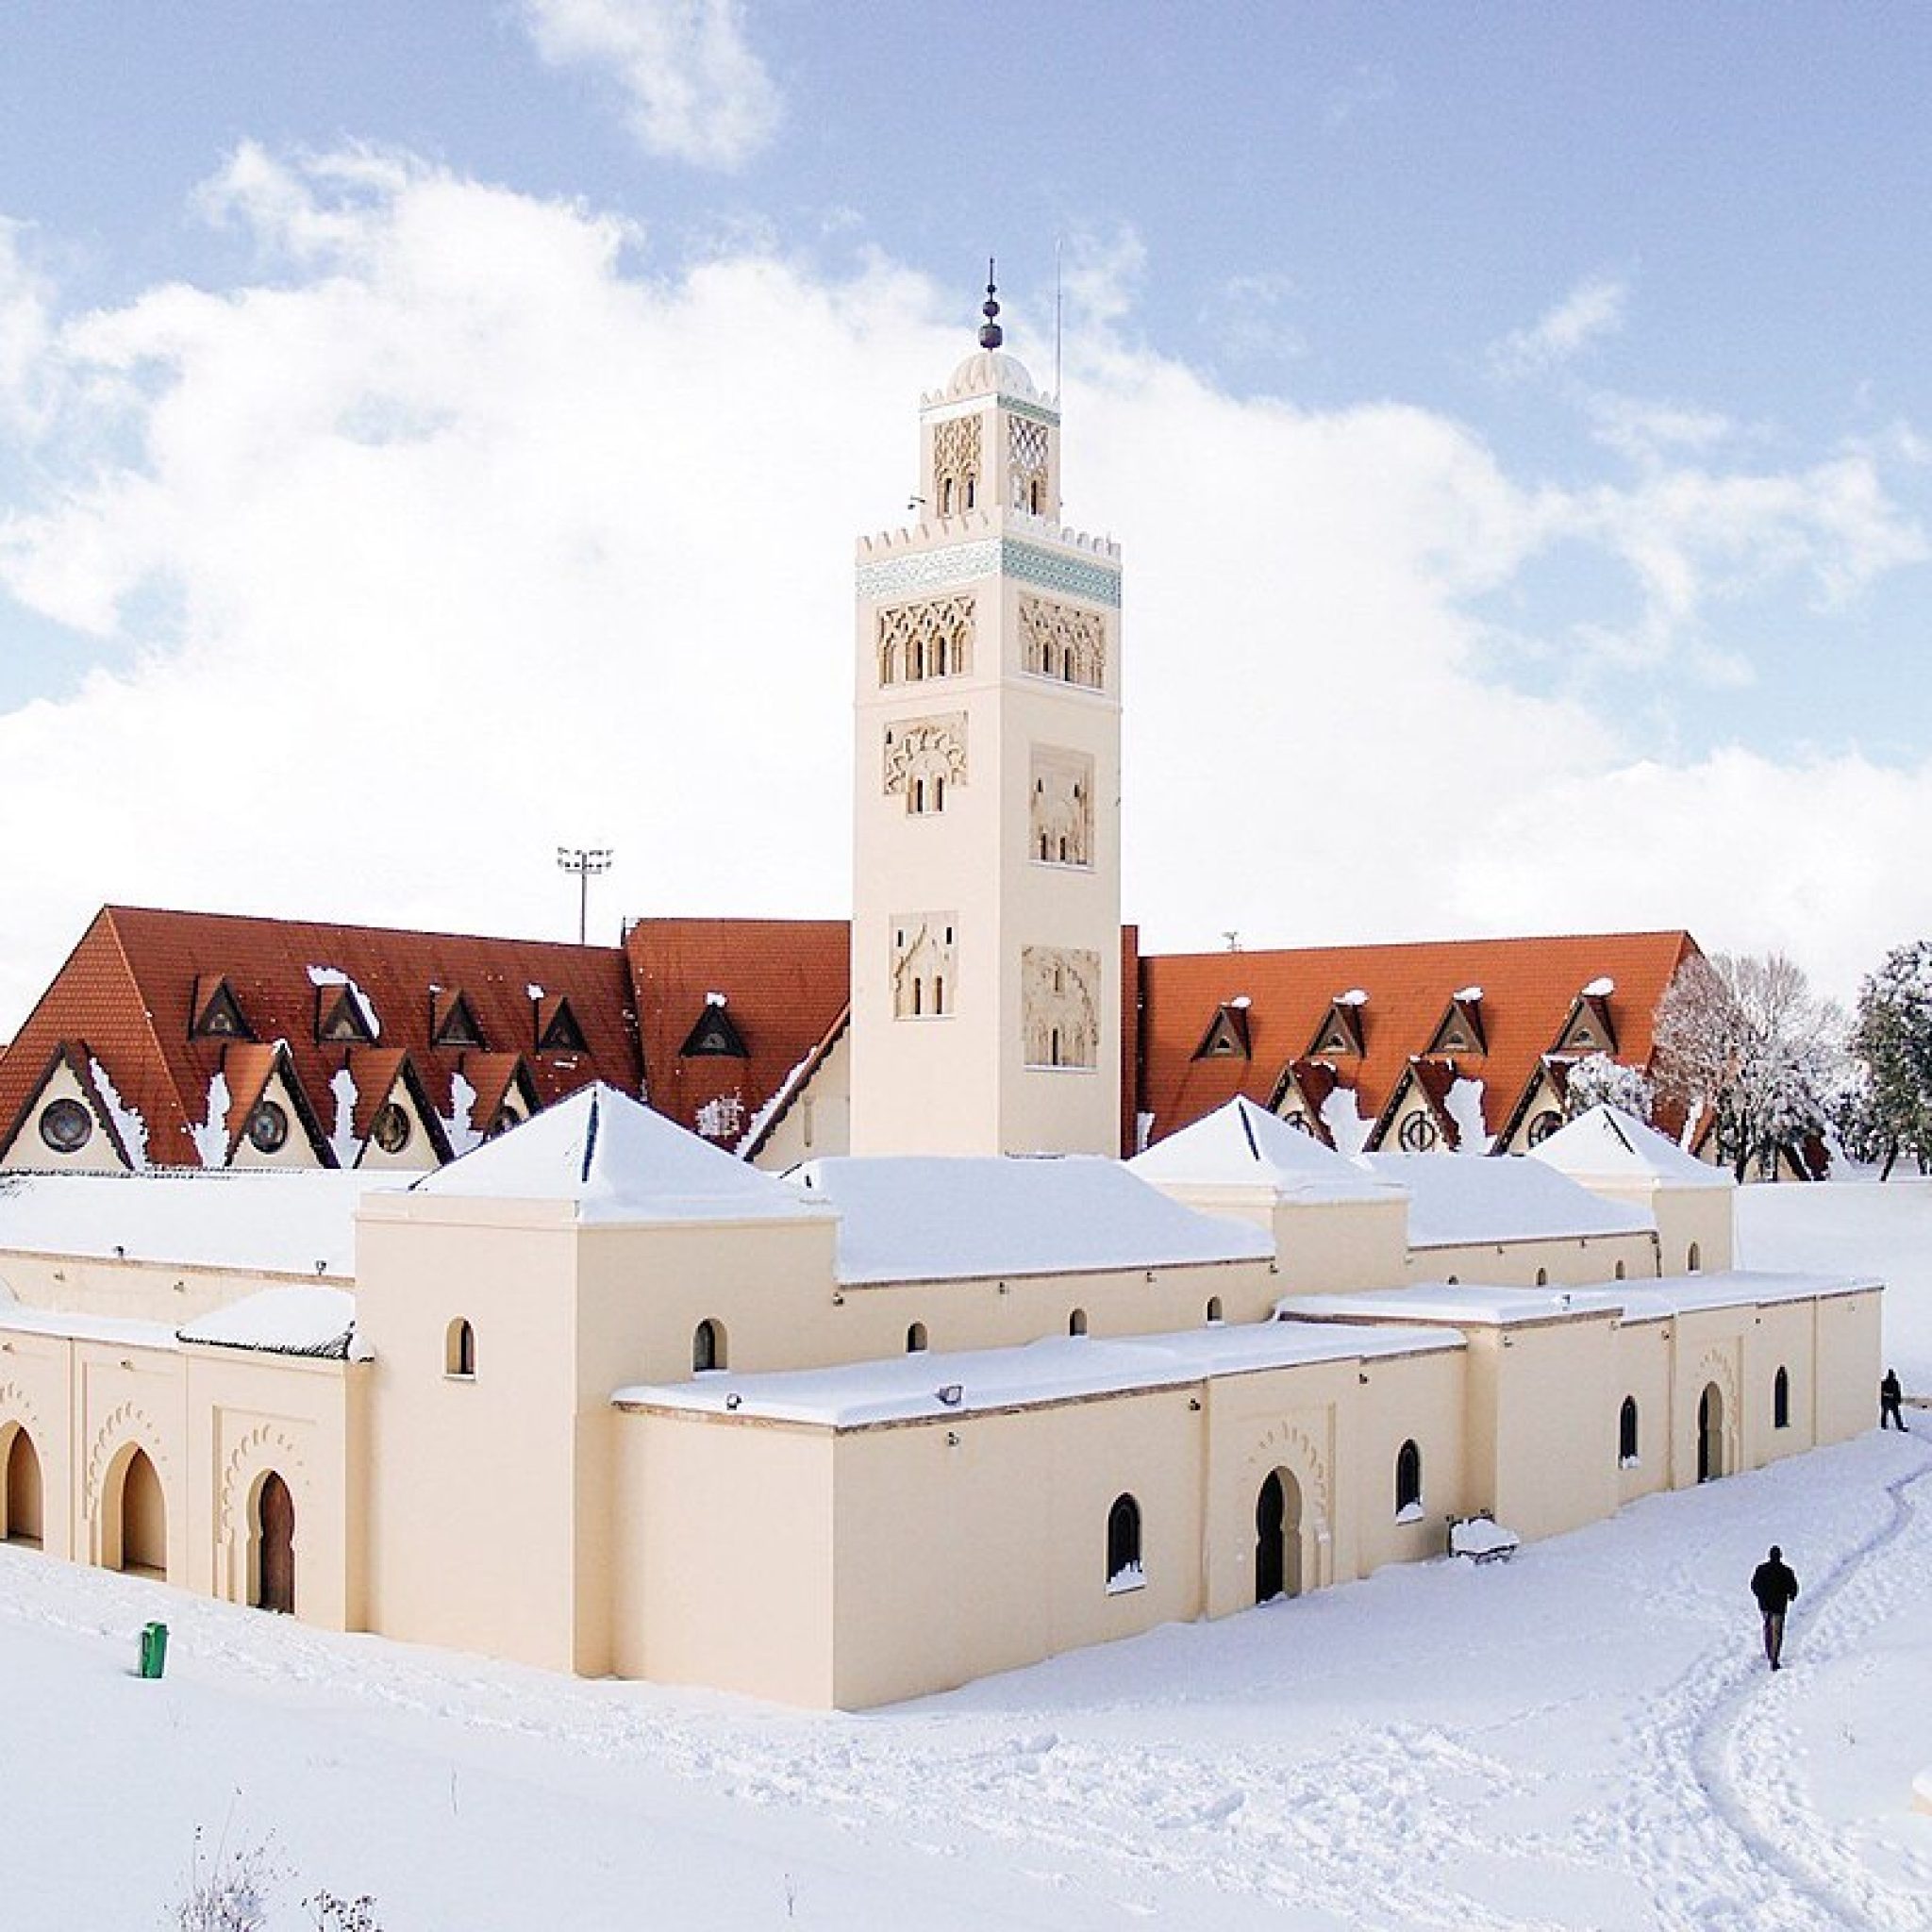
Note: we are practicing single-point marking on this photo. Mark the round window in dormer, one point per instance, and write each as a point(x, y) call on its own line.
point(506, 1118)
point(1543, 1125)
point(391, 1130)
point(1417, 1134)
point(268, 1127)
point(66, 1125)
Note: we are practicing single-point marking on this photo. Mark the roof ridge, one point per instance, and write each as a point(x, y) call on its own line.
point(147, 1022)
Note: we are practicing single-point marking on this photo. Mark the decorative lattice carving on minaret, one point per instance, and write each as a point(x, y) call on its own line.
point(925, 758)
point(933, 639)
point(1061, 818)
point(955, 465)
point(1064, 642)
point(1060, 988)
point(923, 965)
point(1026, 450)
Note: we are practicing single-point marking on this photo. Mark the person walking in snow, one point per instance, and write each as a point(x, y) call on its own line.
point(1773, 1585)
point(1889, 1396)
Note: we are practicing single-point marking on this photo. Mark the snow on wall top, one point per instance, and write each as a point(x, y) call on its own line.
point(16, 1318)
point(300, 1223)
point(930, 1217)
point(1476, 1304)
point(285, 1320)
point(1059, 1369)
point(1607, 1145)
point(619, 1161)
point(1455, 1202)
point(1244, 1146)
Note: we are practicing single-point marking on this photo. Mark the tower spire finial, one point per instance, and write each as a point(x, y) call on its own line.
point(991, 333)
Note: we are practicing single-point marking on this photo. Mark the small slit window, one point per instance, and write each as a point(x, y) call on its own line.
point(1626, 1434)
point(1077, 1322)
point(915, 1339)
point(707, 1347)
point(1123, 1568)
point(1214, 1307)
point(459, 1350)
point(1781, 1400)
point(1693, 1261)
point(1409, 1483)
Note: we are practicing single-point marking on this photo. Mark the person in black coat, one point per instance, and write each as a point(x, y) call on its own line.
point(1889, 1396)
point(1773, 1585)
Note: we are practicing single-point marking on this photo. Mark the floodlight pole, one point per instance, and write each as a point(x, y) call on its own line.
point(584, 861)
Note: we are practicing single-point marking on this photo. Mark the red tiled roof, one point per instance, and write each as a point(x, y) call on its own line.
point(128, 991)
point(1530, 987)
point(785, 982)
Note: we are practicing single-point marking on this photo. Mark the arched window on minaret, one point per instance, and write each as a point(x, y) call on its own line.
point(945, 496)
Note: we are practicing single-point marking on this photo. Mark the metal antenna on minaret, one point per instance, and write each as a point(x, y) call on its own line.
point(990, 334)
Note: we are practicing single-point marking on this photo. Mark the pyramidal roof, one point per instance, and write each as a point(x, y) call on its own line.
point(1243, 1145)
point(1604, 1144)
point(618, 1160)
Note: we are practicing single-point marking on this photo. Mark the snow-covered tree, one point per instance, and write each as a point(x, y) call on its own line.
point(1600, 1081)
point(1744, 1039)
point(1889, 1112)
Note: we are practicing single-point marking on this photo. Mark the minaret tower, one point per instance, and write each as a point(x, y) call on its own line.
point(986, 926)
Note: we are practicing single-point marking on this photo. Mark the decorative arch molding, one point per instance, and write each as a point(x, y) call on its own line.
point(1717, 1364)
point(1292, 1446)
point(17, 1406)
point(126, 1427)
point(264, 1447)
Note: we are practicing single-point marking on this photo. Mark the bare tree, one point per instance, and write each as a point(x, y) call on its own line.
point(1743, 1039)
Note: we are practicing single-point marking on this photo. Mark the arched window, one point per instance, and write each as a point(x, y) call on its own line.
point(1620, 1270)
point(1214, 1307)
point(460, 1350)
point(915, 1339)
point(939, 993)
point(1543, 1277)
point(1693, 1261)
point(706, 1349)
point(972, 490)
point(1408, 1480)
point(1626, 1433)
point(1450, 1280)
point(1781, 1400)
point(22, 1497)
point(1033, 494)
point(946, 497)
point(1123, 1571)
point(1077, 1322)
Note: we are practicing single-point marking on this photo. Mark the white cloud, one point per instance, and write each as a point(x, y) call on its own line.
point(697, 93)
point(1591, 309)
point(477, 535)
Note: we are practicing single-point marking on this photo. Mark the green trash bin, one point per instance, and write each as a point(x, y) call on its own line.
point(153, 1649)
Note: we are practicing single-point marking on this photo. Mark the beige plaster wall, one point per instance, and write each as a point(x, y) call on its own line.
point(1848, 1335)
point(1557, 1397)
point(137, 1290)
point(724, 1574)
point(1565, 1260)
point(818, 1123)
point(28, 1151)
point(1418, 1397)
point(1642, 1360)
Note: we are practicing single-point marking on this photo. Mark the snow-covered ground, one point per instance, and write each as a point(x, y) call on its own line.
point(1583, 1737)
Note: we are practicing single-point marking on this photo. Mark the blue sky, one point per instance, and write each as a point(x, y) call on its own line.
point(1630, 302)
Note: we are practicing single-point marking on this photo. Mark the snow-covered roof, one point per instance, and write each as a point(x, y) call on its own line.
point(1059, 1369)
point(17, 1318)
point(618, 1161)
point(1244, 1146)
point(1456, 1199)
point(294, 1222)
point(928, 1218)
point(1481, 1305)
point(284, 1321)
point(1604, 1144)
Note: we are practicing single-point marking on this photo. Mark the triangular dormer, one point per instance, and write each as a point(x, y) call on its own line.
point(340, 1018)
point(715, 1034)
point(557, 1026)
point(1541, 1110)
point(1417, 1119)
point(1300, 1095)
point(1588, 1028)
point(217, 1013)
point(402, 1128)
point(1340, 1035)
point(269, 1121)
point(1227, 1037)
point(1460, 1029)
point(452, 1021)
point(65, 1122)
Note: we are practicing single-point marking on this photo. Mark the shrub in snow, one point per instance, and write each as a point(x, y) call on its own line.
point(1600, 1081)
point(333, 1914)
point(232, 1893)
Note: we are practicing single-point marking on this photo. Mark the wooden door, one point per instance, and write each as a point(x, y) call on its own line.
point(276, 1509)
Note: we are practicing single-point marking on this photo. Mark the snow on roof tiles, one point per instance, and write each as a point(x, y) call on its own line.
point(918, 1218)
point(619, 1161)
point(1604, 1144)
point(283, 1321)
point(1244, 1146)
point(1456, 1199)
point(1057, 1369)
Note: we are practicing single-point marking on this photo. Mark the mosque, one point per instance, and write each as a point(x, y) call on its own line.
point(391, 1308)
